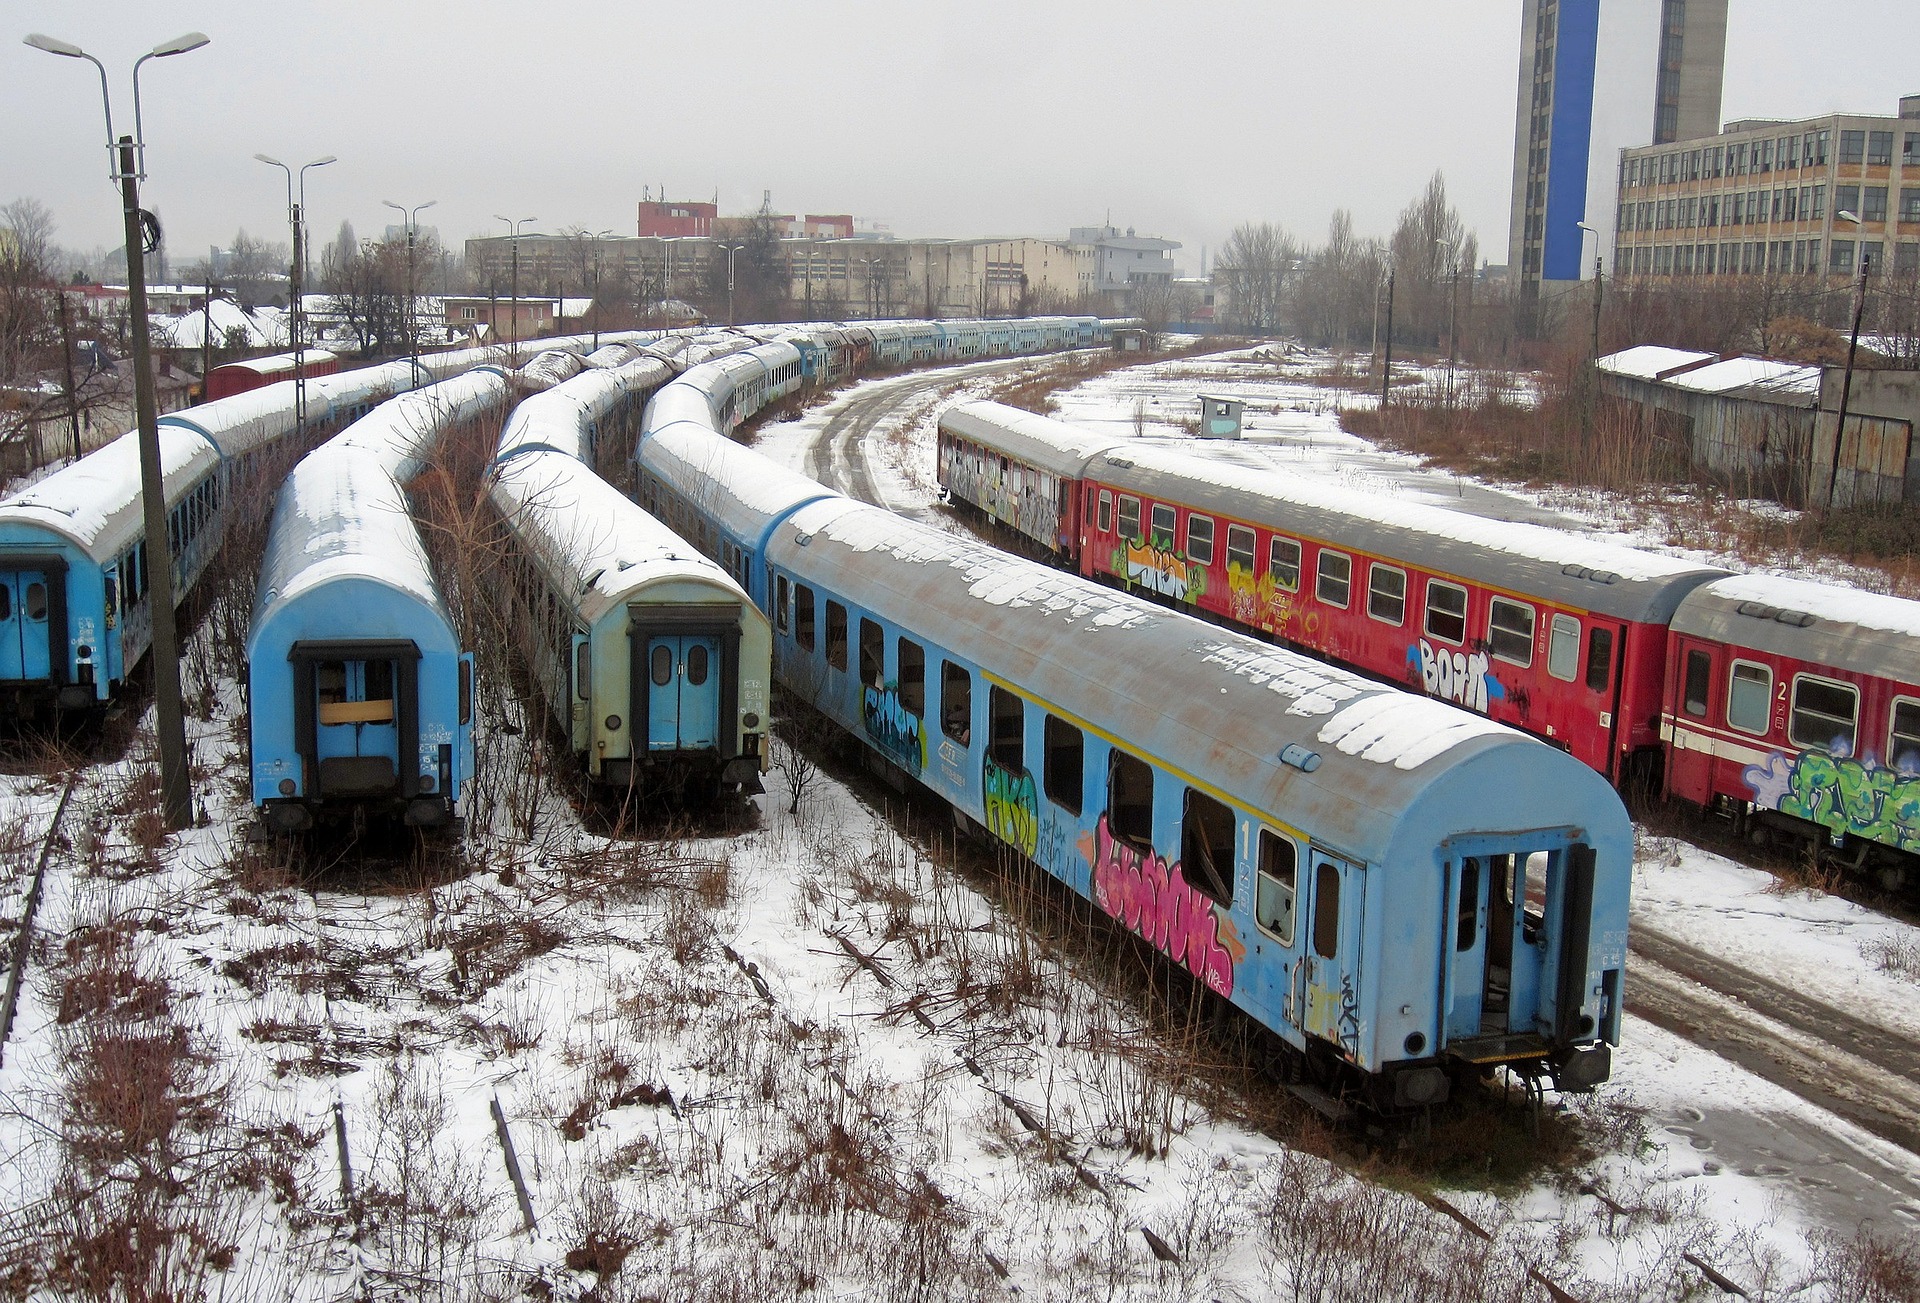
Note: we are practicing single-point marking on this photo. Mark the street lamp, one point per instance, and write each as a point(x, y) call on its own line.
point(412, 218)
point(1853, 346)
point(1453, 311)
point(1386, 369)
point(513, 230)
point(731, 249)
point(593, 304)
point(1593, 347)
point(296, 303)
point(873, 309)
point(129, 167)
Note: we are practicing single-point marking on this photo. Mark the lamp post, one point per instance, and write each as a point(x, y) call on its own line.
point(873, 309)
point(731, 249)
point(296, 302)
point(513, 230)
point(1593, 345)
point(128, 168)
point(593, 304)
point(412, 218)
point(1386, 369)
point(1453, 312)
point(1846, 378)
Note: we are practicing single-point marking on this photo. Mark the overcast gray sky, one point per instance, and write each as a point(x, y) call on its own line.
point(985, 117)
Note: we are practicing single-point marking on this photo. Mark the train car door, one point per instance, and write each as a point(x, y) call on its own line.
point(357, 719)
point(1469, 979)
point(24, 611)
point(1334, 962)
point(683, 692)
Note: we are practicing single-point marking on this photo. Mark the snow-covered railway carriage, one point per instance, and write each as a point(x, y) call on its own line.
point(1399, 889)
point(1796, 705)
point(1020, 469)
point(360, 697)
point(651, 659)
point(74, 556)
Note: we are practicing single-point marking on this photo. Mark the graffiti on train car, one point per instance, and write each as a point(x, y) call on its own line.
point(1841, 794)
point(1154, 899)
point(896, 730)
point(1012, 806)
point(1160, 570)
point(1464, 677)
point(1263, 604)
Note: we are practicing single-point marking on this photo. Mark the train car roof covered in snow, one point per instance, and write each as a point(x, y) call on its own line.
point(341, 518)
point(400, 434)
point(1577, 570)
point(279, 364)
point(1827, 624)
point(601, 545)
point(692, 459)
point(1394, 770)
point(559, 420)
point(1038, 440)
point(94, 503)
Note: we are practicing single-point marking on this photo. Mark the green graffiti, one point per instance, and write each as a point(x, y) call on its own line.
point(1843, 795)
point(1012, 806)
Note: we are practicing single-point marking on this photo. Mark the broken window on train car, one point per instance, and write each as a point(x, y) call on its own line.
point(1130, 518)
point(1599, 658)
point(1467, 906)
point(1066, 764)
point(956, 702)
point(1903, 739)
point(1699, 682)
point(1335, 583)
point(873, 654)
point(1446, 611)
point(1326, 910)
point(1206, 846)
point(913, 676)
point(782, 604)
point(836, 635)
point(1510, 631)
point(1283, 562)
point(1749, 697)
point(1824, 714)
point(1006, 729)
point(1130, 799)
point(1274, 891)
point(1387, 594)
point(803, 616)
point(1563, 648)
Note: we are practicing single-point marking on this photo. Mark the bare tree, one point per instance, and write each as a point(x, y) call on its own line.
point(1255, 266)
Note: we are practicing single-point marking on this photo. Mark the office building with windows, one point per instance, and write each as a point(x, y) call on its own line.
point(1766, 198)
point(1552, 138)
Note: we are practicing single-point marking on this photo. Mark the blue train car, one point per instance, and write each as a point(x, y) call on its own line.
point(75, 619)
point(360, 697)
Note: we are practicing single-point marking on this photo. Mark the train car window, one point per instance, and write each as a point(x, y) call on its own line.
point(1066, 765)
point(6, 603)
point(1106, 511)
point(1274, 887)
point(913, 675)
point(782, 604)
point(873, 652)
point(956, 703)
point(1130, 518)
point(583, 670)
point(1240, 548)
point(1387, 594)
point(466, 692)
point(1699, 681)
point(1467, 908)
point(1599, 658)
point(1334, 585)
point(1206, 845)
point(697, 659)
point(662, 665)
point(1750, 697)
point(1326, 910)
point(1903, 740)
point(1130, 799)
point(1283, 561)
point(1563, 648)
point(1824, 715)
point(1006, 730)
point(1510, 631)
point(803, 616)
point(330, 682)
point(836, 635)
point(1200, 540)
point(34, 602)
point(1446, 611)
point(1162, 525)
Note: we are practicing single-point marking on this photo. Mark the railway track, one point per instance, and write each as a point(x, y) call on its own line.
point(23, 938)
point(1858, 1070)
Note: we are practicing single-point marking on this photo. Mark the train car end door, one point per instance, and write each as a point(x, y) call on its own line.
point(25, 608)
point(683, 692)
point(1334, 962)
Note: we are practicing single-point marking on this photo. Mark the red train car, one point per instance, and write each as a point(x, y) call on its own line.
point(1795, 706)
point(255, 372)
point(1020, 470)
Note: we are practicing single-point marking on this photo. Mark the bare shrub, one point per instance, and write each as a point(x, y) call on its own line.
point(1897, 953)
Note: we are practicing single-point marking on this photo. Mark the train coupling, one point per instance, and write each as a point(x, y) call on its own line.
point(1577, 1070)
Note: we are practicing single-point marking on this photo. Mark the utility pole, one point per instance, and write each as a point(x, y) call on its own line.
point(206, 332)
point(66, 355)
point(296, 274)
point(1593, 353)
point(1386, 371)
point(1846, 379)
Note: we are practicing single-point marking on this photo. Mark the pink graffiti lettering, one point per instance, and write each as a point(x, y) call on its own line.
point(1155, 900)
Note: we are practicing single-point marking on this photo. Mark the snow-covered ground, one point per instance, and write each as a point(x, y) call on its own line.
point(803, 1058)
